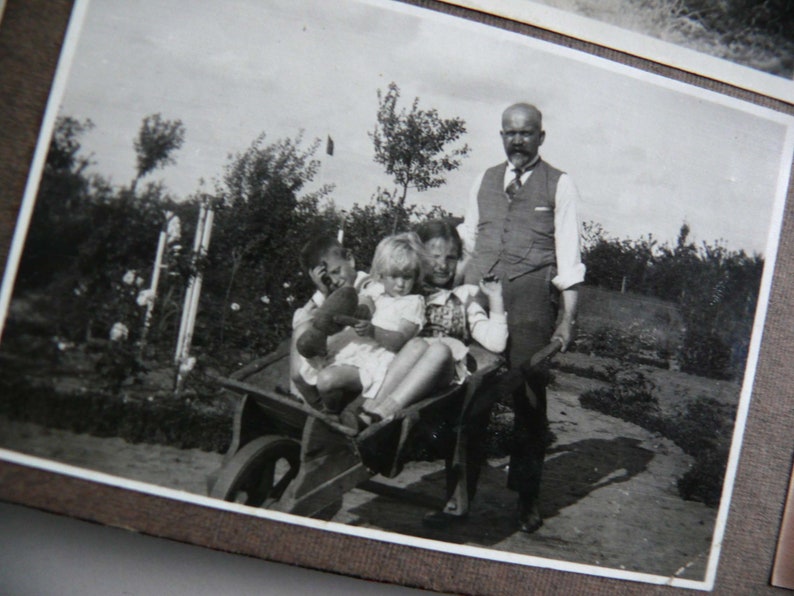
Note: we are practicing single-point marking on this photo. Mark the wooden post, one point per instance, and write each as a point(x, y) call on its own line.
point(201, 244)
point(155, 280)
point(202, 215)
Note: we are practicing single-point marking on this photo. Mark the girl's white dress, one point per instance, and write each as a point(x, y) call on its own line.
point(370, 358)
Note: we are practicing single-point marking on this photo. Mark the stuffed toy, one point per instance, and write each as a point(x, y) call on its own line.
point(340, 309)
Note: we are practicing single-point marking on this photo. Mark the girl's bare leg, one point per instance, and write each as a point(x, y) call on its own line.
point(404, 362)
point(434, 368)
point(335, 383)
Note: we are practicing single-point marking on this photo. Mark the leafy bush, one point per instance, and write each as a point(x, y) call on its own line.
point(702, 425)
point(705, 353)
point(630, 396)
point(703, 431)
point(703, 481)
point(610, 342)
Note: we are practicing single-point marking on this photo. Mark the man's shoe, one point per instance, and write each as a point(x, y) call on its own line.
point(529, 519)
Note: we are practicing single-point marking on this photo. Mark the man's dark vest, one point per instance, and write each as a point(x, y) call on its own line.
point(518, 233)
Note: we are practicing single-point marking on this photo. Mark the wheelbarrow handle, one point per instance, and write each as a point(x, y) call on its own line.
point(554, 346)
point(514, 378)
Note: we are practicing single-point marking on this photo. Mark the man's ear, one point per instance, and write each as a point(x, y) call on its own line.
point(542, 137)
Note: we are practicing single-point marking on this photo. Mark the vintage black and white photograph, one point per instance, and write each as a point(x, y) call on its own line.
point(227, 201)
point(746, 43)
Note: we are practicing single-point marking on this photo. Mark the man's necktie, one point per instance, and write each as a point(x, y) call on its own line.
point(515, 184)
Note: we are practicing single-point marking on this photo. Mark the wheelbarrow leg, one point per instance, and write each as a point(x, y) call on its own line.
point(406, 427)
point(457, 470)
point(329, 467)
point(461, 468)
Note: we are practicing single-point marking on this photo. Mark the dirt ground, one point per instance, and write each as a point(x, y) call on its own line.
point(608, 499)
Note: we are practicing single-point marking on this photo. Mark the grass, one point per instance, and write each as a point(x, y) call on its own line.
point(628, 326)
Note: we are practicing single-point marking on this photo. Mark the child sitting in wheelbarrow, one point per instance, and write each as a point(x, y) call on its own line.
point(455, 315)
point(356, 360)
point(330, 266)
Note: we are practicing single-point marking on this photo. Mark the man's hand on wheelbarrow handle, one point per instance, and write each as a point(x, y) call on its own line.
point(516, 375)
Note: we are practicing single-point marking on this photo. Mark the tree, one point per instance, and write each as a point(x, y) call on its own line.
point(64, 151)
point(262, 219)
point(60, 217)
point(365, 226)
point(156, 142)
point(411, 145)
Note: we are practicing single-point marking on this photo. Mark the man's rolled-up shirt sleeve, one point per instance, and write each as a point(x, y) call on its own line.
point(471, 219)
point(570, 269)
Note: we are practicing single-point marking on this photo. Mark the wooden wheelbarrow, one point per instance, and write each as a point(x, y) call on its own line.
point(289, 457)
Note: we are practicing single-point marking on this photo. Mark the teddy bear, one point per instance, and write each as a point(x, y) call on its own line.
point(340, 309)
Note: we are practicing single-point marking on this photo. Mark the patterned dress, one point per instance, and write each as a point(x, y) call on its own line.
point(455, 318)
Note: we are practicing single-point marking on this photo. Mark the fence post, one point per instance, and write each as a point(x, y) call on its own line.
point(201, 244)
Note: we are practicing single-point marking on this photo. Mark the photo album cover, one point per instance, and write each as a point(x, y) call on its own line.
point(212, 179)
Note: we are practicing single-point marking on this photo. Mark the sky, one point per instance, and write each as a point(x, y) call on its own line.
point(646, 154)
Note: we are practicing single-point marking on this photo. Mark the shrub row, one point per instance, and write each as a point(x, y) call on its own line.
point(161, 419)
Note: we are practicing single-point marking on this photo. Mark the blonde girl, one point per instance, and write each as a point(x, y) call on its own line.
point(360, 365)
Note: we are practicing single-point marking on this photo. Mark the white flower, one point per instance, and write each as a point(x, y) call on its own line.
point(290, 299)
point(129, 277)
point(62, 344)
point(286, 285)
point(139, 281)
point(264, 299)
point(187, 365)
point(145, 297)
point(234, 306)
point(119, 332)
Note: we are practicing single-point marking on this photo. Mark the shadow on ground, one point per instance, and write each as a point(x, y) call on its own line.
point(571, 473)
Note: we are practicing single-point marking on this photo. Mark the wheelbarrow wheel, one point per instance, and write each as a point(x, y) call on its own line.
point(259, 473)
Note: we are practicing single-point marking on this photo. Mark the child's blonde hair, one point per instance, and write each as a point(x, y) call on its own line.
point(400, 254)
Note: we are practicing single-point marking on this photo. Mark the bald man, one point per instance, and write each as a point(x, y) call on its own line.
point(521, 226)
